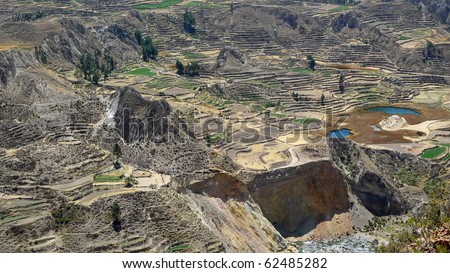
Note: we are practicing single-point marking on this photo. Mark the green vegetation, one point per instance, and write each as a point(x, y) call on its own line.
point(166, 82)
point(375, 224)
point(433, 152)
point(107, 178)
point(111, 176)
point(4, 214)
point(278, 115)
point(149, 51)
point(92, 66)
point(277, 106)
point(138, 36)
point(432, 51)
point(180, 67)
point(142, 72)
point(116, 212)
point(66, 213)
point(407, 177)
point(191, 69)
point(161, 5)
point(298, 97)
point(40, 54)
point(446, 158)
point(116, 215)
point(413, 178)
point(178, 248)
point(214, 138)
point(193, 55)
point(426, 230)
point(432, 185)
point(30, 16)
point(311, 62)
point(160, 83)
point(301, 70)
point(339, 9)
point(258, 108)
point(117, 151)
point(189, 23)
point(130, 180)
point(404, 37)
point(307, 120)
point(218, 102)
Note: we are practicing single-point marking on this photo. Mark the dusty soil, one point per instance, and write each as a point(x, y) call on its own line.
point(359, 122)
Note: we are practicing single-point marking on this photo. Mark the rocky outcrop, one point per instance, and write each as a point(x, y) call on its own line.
point(326, 197)
point(65, 48)
point(224, 203)
point(154, 135)
point(137, 119)
point(11, 62)
point(297, 199)
point(371, 172)
point(393, 122)
point(349, 25)
point(440, 8)
point(433, 79)
point(222, 186)
point(349, 20)
point(230, 59)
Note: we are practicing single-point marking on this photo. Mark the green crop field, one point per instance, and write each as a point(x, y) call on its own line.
point(215, 138)
point(142, 72)
point(161, 5)
point(433, 152)
point(193, 55)
point(340, 8)
point(107, 178)
point(178, 248)
point(446, 158)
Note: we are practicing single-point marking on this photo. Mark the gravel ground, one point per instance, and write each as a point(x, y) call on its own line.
point(357, 243)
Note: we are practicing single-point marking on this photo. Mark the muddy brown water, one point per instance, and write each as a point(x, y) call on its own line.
point(359, 121)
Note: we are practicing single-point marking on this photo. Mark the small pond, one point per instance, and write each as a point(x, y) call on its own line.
point(393, 110)
point(375, 128)
point(341, 133)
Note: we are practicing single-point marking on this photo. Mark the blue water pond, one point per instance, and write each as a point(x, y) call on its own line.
point(393, 110)
point(341, 133)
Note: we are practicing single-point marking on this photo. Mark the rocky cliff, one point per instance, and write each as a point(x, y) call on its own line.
point(324, 197)
point(297, 199)
point(371, 175)
point(65, 48)
point(350, 25)
point(137, 119)
point(225, 205)
point(440, 8)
